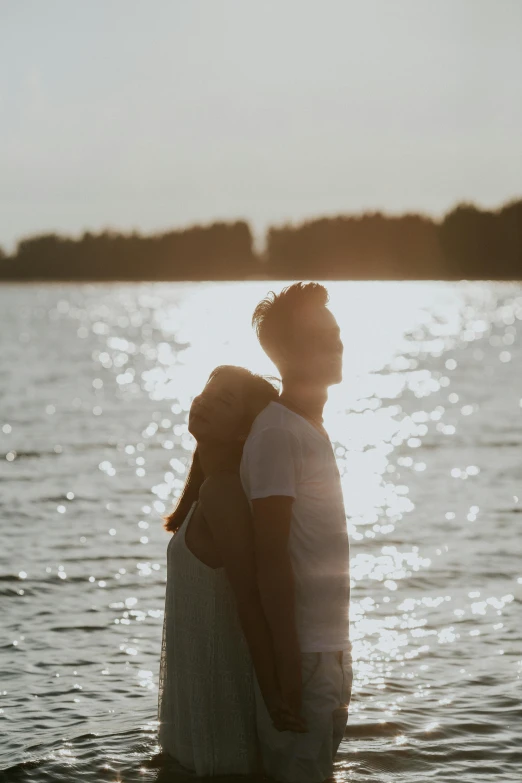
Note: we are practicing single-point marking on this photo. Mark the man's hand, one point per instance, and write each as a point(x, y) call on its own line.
point(289, 676)
point(285, 720)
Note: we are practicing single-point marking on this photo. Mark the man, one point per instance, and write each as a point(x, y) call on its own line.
point(290, 475)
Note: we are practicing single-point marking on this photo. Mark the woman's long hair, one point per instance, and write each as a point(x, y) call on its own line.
point(258, 391)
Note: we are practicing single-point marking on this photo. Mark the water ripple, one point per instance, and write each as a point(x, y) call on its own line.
point(94, 448)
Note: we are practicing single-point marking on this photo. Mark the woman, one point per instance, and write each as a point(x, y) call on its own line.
point(215, 634)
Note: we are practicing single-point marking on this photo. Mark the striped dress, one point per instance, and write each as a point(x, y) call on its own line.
point(206, 704)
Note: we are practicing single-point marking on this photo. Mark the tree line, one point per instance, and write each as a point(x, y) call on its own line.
point(468, 243)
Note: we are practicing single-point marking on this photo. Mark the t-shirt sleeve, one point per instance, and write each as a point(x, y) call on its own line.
point(273, 463)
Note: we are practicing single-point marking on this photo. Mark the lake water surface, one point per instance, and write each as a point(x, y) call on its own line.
point(96, 381)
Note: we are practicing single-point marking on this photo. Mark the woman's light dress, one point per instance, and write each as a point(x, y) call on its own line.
point(206, 704)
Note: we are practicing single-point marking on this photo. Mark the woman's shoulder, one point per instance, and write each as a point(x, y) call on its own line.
point(217, 483)
point(222, 488)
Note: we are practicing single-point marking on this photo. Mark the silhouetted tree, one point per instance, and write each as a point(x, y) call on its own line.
point(371, 245)
point(468, 243)
point(483, 244)
point(218, 251)
point(509, 222)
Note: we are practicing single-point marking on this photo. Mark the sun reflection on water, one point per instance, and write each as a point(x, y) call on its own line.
point(397, 357)
point(410, 425)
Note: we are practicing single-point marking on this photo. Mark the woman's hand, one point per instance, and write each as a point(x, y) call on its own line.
point(283, 717)
point(289, 679)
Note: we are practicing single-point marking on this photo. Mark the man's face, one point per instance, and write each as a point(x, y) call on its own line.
point(317, 349)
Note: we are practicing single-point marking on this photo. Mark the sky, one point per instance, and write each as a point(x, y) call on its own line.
point(154, 115)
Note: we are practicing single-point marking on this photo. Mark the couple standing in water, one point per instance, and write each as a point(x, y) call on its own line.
point(256, 665)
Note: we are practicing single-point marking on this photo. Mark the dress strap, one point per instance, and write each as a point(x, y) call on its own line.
point(188, 515)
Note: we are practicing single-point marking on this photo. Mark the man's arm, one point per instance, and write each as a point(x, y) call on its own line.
point(275, 578)
point(228, 515)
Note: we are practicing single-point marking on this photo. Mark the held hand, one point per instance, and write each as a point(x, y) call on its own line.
point(284, 719)
point(290, 687)
point(291, 696)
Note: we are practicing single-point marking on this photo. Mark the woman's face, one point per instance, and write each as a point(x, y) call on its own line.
point(216, 413)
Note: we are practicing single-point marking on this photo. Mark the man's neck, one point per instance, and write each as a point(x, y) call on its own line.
point(310, 399)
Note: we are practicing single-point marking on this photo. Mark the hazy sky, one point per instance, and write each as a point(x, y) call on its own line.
point(160, 113)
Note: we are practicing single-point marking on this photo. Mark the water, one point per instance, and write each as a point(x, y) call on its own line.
point(96, 383)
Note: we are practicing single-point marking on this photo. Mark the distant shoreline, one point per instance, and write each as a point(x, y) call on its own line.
point(70, 281)
point(467, 244)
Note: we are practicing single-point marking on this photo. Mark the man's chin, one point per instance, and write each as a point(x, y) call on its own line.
point(336, 378)
point(326, 378)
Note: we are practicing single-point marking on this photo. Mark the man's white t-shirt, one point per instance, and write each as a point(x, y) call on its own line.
point(285, 454)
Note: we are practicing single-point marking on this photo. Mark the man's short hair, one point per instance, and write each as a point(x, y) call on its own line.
point(273, 318)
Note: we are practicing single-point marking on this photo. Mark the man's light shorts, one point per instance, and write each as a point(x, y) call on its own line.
point(291, 757)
